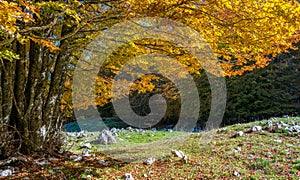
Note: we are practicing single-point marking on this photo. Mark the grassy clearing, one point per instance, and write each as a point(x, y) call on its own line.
point(132, 146)
point(255, 155)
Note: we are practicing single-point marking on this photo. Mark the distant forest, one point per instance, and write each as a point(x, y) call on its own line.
point(259, 94)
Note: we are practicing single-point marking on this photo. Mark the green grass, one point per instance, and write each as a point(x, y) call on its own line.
point(147, 136)
point(261, 157)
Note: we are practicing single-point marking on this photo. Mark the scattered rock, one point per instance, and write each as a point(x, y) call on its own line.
point(180, 154)
point(238, 149)
point(236, 174)
point(278, 126)
point(128, 176)
point(251, 156)
point(106, 137)
point(153, 129)
point(113, 130)
point(291, 128)
point(270, 125)
point(71, 134)
point(89, 176)
point(240, 133)
point(87, 145)
point(278, 140)
point(5, 173)
point(170, 130)
point(12, 161)
point(42, 163)
point(296, 128)
point(284, 124)
point(286, 116)
point(256, 128)
point(185, 159)
point(150, 161)
point(86, 153)
point(81, 134)
point(129, 128)
point(76, 158)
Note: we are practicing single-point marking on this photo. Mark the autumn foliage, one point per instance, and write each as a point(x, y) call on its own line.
point(41, 43)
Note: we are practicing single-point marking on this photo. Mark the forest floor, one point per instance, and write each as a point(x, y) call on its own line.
point(265, 154)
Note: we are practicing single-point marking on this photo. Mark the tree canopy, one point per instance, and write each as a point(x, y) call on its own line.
point(41, 43)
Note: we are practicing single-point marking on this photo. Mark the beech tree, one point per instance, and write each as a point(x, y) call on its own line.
point(42, 41)
point(39, 44)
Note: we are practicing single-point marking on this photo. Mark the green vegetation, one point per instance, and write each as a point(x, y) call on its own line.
point(255, 155)
point(147, 136)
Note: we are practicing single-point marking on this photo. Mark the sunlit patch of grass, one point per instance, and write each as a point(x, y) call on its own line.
point(147, 136)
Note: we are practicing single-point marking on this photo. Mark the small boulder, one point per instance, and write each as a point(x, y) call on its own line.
point(185, 159)
point(256, 128)
point(89, 176)
point(296, 128)
point(106, 137)
point(71, 134)
point(86, 153)
point(251, 156)
point(270, 125)
point(237, 174)
point(240, 133)
point(87, 145)
point(81, 134)
point(42, 163)
point(150, 161)
point(129, 129)
point(278, 126)
point(128, 176)
point(113, 130)
point(87, 170)
point(180, 154)
point(237, 150)
point(286, 116)
point(278, 140)
point(76, 158)
point(5, 173)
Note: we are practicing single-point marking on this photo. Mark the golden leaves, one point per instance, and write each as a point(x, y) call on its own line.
point(52, 47)
point(10, 13)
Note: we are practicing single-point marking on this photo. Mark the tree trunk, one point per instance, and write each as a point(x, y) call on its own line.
point(31, 91)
